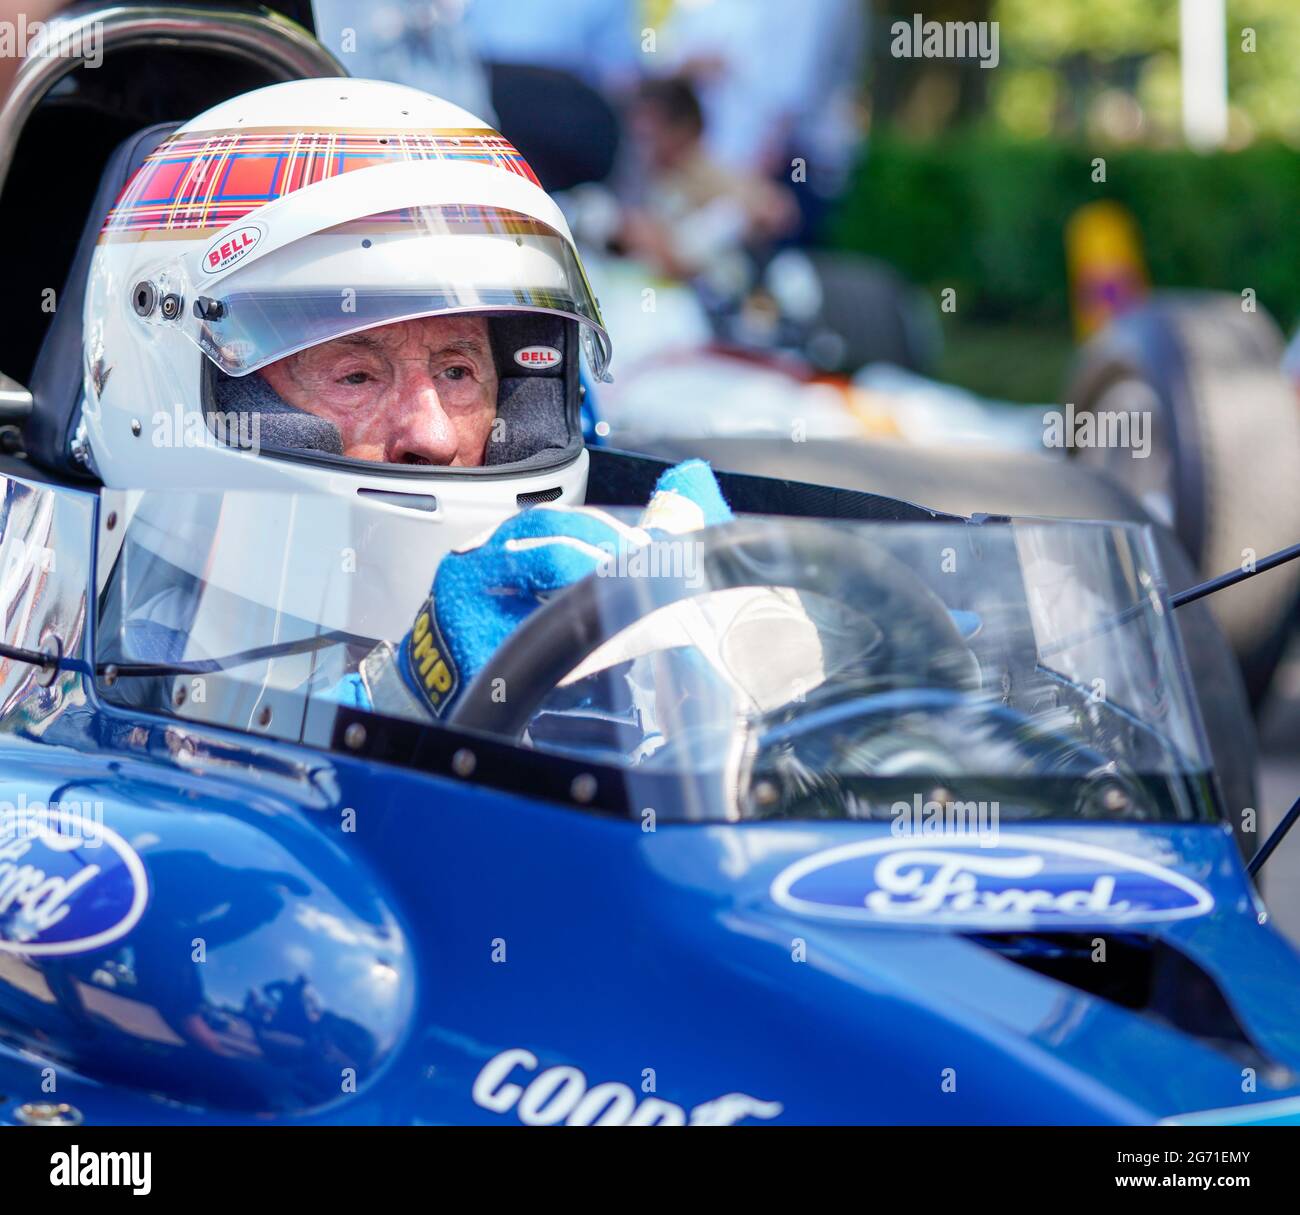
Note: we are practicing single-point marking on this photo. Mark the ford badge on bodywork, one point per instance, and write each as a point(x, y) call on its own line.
point(953, 881)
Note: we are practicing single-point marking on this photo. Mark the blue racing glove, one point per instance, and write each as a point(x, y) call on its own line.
point(482, 593)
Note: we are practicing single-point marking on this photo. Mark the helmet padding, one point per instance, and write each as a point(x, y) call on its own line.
point(281, 426)
point(533, 400)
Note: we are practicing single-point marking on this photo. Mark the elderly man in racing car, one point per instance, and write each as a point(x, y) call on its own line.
point(402, 313)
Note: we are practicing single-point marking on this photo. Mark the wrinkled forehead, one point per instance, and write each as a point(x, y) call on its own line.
point(420, 338)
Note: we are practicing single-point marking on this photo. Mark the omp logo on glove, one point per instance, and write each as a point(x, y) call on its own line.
point(430, 667)
point(482, 592)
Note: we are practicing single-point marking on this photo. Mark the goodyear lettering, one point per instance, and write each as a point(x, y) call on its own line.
point(510, 1082)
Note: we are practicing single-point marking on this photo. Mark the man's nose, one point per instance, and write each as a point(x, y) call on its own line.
point(422, 433)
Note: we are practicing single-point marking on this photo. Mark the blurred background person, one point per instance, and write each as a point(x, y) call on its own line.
point(540, 72)
point(594, 40)
point(684, 209)
point(735, 54)
point(556, 70)
point(779, 87)
point(422, 43)
point(827, 122)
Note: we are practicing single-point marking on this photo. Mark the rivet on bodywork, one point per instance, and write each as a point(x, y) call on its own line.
point(354, 737)
point(464, 762)
point(584, 787)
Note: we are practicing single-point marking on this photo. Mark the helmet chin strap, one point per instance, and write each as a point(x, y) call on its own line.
point(280, 425)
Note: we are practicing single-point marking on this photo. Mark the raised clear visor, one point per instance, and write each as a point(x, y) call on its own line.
point(377, 270)
point(766, 668)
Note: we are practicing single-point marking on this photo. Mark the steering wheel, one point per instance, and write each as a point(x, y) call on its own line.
point(918, 634)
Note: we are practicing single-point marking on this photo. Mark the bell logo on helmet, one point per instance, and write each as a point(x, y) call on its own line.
point(224, 253)
point(538, 358)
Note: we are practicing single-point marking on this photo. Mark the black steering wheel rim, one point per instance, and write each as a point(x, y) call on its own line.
point(746, 552)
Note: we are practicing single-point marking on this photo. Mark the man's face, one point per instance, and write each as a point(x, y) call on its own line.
point(414, 392)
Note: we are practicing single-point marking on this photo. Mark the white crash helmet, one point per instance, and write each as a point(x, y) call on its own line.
point(304, 212)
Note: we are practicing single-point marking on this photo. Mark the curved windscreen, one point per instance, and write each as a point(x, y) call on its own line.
point(399, 265)
point(767, 668)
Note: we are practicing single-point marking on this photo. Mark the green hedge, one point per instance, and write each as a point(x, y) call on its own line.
point(987, 216)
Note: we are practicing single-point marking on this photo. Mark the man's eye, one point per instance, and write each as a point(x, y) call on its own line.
point(356, 377)
point(456, 373)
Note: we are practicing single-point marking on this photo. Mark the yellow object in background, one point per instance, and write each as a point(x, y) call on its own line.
point(653, 13)
point(1108, 274)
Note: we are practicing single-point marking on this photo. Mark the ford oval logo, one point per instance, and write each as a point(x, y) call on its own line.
point(67, 884)
point(1026, 880)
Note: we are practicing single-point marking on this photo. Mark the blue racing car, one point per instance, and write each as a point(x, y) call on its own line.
point(946, 846)
point(670, 798)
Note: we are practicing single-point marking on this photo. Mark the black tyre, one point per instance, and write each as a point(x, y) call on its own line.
point(869, 314)
point(1225, 443)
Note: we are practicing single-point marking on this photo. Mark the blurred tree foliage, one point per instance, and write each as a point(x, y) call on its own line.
point(1077, 61)
point(986, 214)
point(971, 174)
point(1098, 68)
point(923, 96)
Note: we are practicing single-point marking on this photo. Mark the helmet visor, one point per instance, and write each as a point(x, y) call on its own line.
point(395, 266)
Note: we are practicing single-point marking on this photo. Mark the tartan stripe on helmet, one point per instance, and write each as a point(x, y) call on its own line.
point(193, 183)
